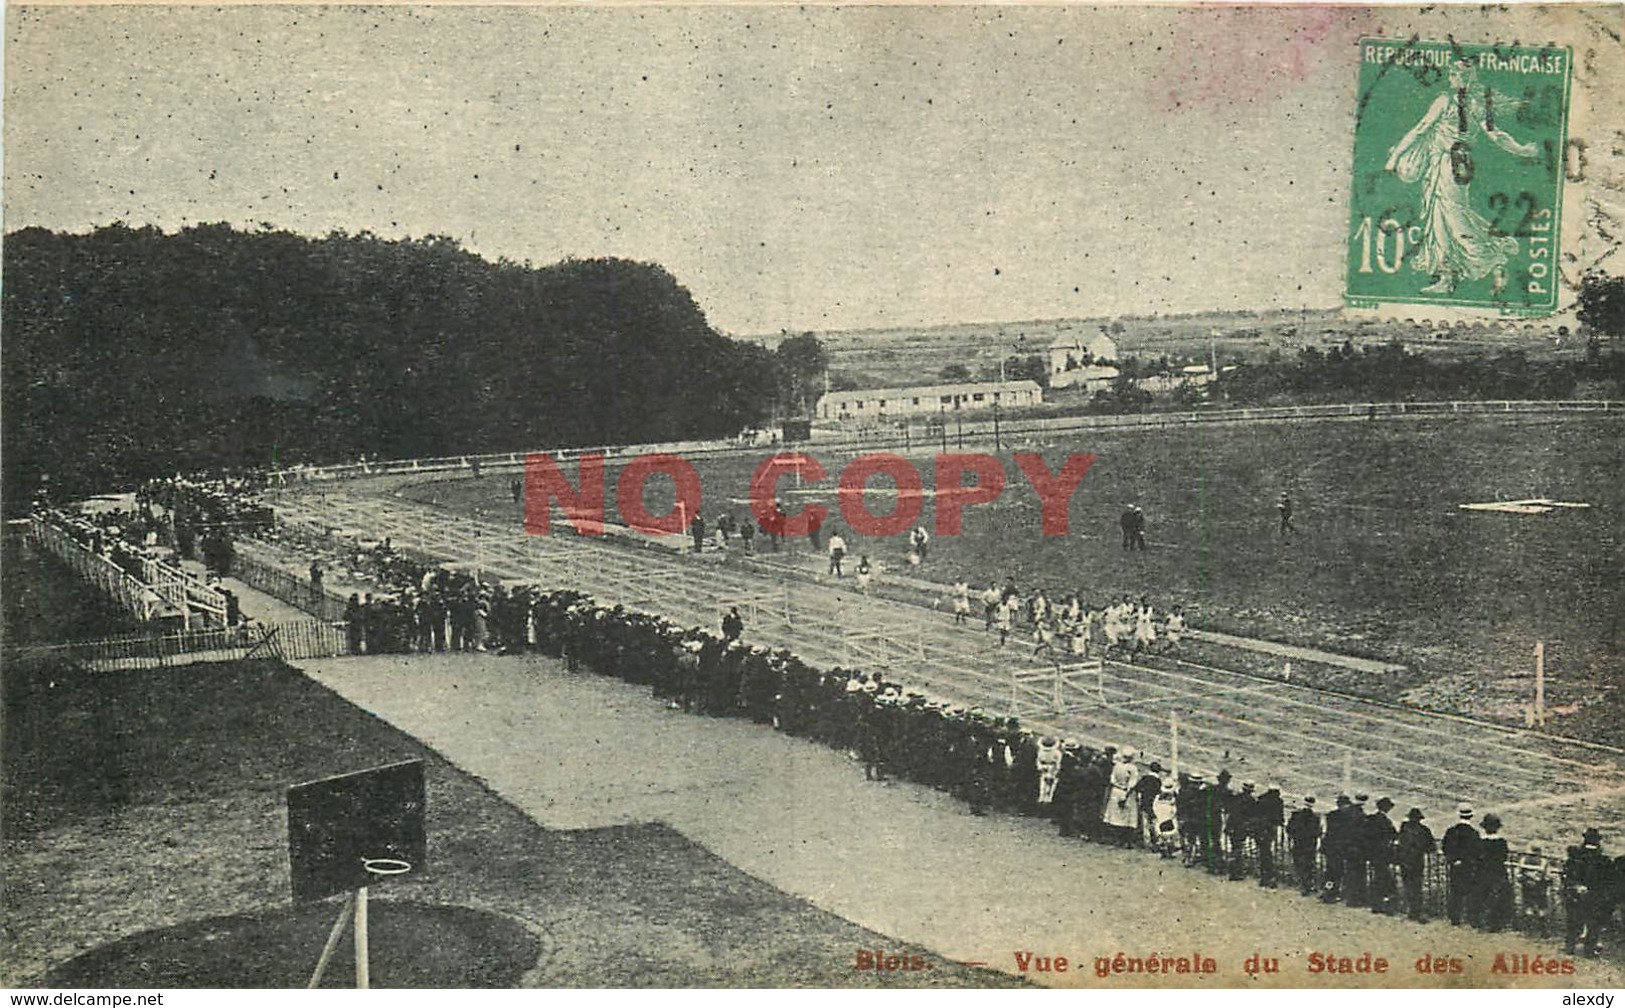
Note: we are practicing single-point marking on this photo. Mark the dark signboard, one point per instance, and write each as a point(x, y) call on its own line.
point(797, 431)
point(356, 830)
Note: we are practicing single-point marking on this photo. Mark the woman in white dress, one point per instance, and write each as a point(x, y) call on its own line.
point(1121, 815)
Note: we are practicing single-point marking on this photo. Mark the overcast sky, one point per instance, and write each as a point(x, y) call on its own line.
point(795, 168)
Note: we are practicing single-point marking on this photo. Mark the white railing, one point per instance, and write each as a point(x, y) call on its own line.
point(142, 596)
point(113, 581)
point(295, 640)
point(981, 429)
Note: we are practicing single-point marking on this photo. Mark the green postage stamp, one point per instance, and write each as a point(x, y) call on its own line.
point(1458, 175)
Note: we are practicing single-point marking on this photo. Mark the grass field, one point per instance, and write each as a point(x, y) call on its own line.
point(154, 800)
point(1384, 562)
point(143, 829)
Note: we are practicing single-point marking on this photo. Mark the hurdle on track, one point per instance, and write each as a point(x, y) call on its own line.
point(1061, 688)
point(647, 588)
point(884, 647)
point(763, 608)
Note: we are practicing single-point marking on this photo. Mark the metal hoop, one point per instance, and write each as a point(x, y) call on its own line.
point(386, 866)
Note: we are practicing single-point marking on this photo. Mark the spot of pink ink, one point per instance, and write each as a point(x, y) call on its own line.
point(1224, 57)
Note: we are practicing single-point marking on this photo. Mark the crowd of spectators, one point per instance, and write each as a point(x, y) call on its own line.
point(214, 501)
point(1357, 853)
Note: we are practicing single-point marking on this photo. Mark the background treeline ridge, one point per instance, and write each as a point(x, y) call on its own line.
point(130, 353)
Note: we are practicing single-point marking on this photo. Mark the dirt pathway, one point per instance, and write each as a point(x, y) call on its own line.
point(576, 750)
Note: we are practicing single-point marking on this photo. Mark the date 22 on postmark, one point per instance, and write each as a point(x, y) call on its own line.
point(1458, 175)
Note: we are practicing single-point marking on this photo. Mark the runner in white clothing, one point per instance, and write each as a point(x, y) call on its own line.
point(1173, 630)
point(961, 602)
point(1145, 630)
point(837, 550)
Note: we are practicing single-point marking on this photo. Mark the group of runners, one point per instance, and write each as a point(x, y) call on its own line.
point(1068, 627)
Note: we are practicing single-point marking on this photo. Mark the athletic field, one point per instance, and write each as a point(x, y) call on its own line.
point(1384, 561)
point(1383, 558)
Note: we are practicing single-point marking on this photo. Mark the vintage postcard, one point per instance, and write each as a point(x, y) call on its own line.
point(762, 496)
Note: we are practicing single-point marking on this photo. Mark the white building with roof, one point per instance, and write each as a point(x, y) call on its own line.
point(1075, 360)
point(926, 400)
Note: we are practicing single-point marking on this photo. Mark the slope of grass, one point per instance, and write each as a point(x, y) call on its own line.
point(154, 802)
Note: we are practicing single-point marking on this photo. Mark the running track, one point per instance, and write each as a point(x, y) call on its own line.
point(1306, 740)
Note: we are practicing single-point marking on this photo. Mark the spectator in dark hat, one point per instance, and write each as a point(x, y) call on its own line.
point(1494, 903)
point(1460, 847)
point(1380, 835)
point(1146, 791)
point(733, 624)
point(1303, 837)
point(1585, 892)
point(1355, 861)
point(353, 623)
point(1239, 810)
point(1190, 805)
point(1268, 813)
point(1215, 795)
point(1340, 834)
point(1411, 849)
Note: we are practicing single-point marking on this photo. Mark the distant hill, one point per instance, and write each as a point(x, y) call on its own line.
point(130, 352)
point(908, 355)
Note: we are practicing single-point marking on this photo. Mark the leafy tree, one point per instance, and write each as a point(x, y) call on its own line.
point(1027, 367)
point(955, 373)
point(1126, 394)
point(802, 364)
point(1602, 304)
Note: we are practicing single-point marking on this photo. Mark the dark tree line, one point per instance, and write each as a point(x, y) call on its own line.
point(1602, 304)
point(131, 353)
point(1390, 373)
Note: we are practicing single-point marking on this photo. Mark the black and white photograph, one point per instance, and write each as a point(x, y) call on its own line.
point(750, 495)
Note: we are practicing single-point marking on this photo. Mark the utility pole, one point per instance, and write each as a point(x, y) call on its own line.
point(1173, 742)
point(1540, 684)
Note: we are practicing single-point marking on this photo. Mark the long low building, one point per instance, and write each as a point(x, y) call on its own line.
point(924, 400)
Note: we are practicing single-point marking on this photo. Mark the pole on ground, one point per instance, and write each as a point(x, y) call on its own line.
point(1540, 682)
point(363, 968)
point(332, 945)
point(1173, 742)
